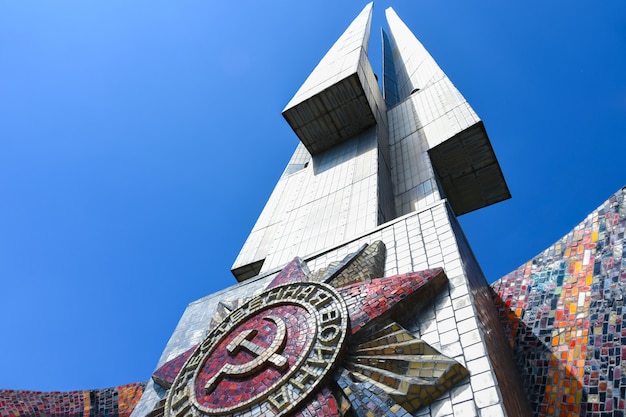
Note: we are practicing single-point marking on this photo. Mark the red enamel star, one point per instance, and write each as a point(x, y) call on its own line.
point(265, 356)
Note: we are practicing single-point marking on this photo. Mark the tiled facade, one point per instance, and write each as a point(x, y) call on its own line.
point(563, 312)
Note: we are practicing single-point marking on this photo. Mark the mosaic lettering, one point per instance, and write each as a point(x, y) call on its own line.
point(270, 354)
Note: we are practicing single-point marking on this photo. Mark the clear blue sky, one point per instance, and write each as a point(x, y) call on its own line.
point(139, 141)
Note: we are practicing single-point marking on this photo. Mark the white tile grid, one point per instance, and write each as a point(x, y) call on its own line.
point(250, 247)
point(300, 157)
point(401, 246)
point(334, 212)
point(465, 409)
point(333, 166)
point(425, 106)
point(437, 131)
point(406, 120)
point(248, 251)
point(371, 88)
point(334, 255)
point(413, 198)
point(492, 411)
point(407, 253)
point(464, 116)
point(454, 327)
point(437, 94)
point(426, 72)
point(340, 60)
point(403, 82)
point(412, 173)
point(407, 160)
point(394, 118)
point(415, 64)
point(308, 203)
point(487, 397)
point(412, 53)
point(363, 164)
point(391, 262)
point(462, 400)
point(440, 110)
point(289, 186)
point(398, 56)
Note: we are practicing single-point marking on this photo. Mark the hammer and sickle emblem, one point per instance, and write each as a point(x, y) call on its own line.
point(262, 355)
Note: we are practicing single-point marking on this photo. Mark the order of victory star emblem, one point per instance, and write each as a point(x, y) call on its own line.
point(326, 343)
point(267, 356)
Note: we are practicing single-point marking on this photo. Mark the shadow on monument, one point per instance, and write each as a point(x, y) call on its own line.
point(551, 385)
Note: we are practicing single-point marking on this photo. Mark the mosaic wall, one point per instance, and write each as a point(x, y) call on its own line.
point(563, 313)
point(113, 402)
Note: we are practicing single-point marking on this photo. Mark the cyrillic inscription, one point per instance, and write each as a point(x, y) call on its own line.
point(271, 354)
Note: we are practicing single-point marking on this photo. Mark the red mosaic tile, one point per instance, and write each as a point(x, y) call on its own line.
point(166, 374)
point(231, 390)
point(370, 299)
point(293, 272)
point(323, 404)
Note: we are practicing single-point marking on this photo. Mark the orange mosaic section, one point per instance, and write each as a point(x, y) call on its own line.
point(128, 396)
point(571, 326)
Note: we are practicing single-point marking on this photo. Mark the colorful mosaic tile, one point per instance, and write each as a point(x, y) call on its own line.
point(405, 368)
point(295, 271)
point(323, 404)
point(119, 401)
point(166, 374)
point(127, 397)
point(366, 263)
point(367, 399)
point(563, 312)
